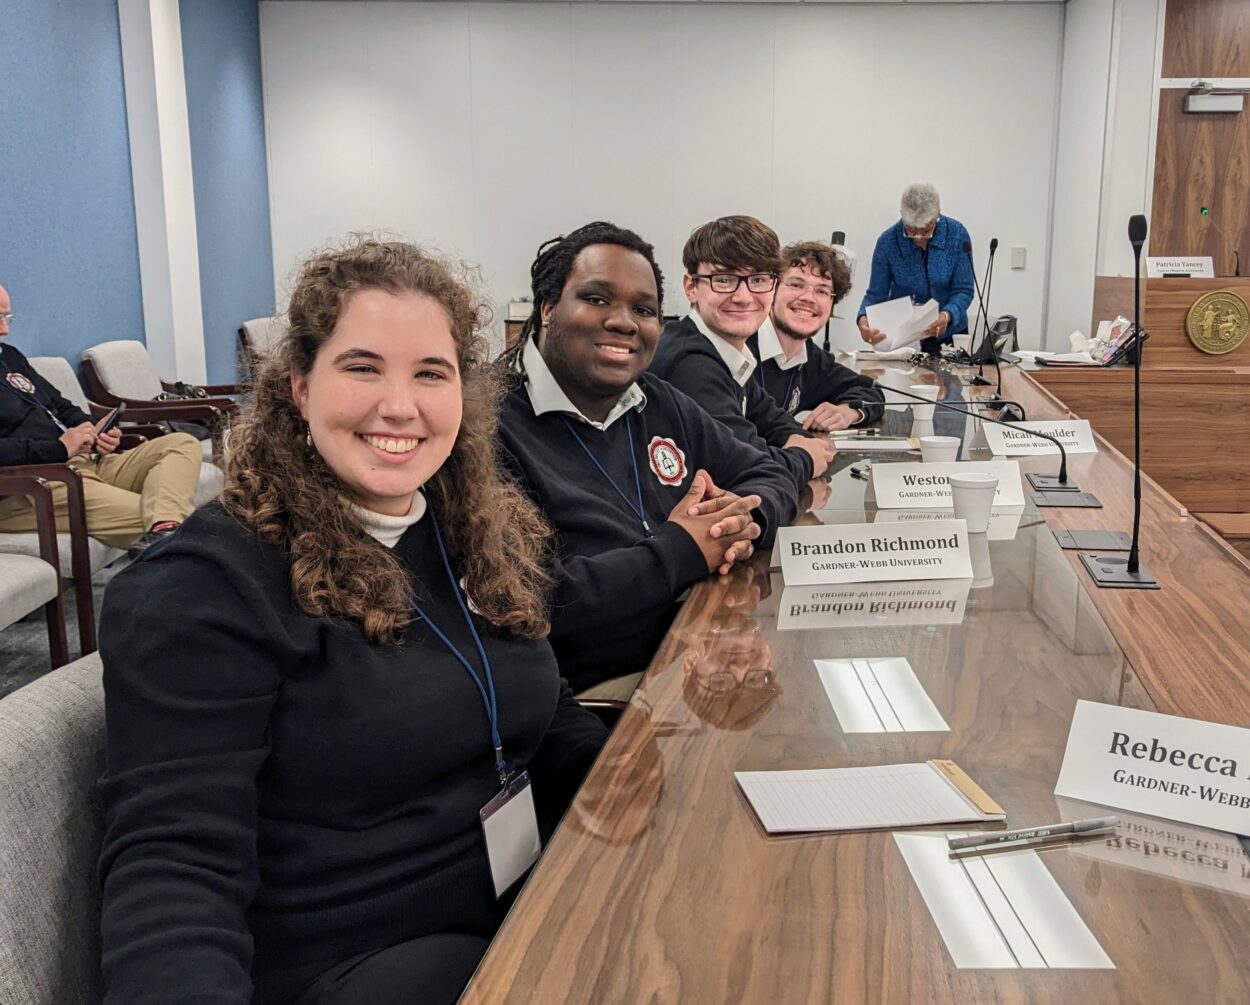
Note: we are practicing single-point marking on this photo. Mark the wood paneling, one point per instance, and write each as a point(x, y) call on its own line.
point(1181, 410)
point(1202, 160)
point(1207, 38)
point(1165, 303)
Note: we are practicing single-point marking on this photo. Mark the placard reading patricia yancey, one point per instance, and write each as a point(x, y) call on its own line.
point(1180, 769)
point(873, 553)
point(916, 485)
point(1075, 434)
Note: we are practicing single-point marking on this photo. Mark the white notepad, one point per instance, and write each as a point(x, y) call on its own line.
point(846, 799)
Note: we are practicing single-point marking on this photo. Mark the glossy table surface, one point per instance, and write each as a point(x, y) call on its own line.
point(661, 886)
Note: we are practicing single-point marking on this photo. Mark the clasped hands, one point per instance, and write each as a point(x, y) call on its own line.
point(83, 439)
point(719, 521)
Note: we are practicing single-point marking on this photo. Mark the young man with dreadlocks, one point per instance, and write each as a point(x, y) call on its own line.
point(647, 493)
point(731, 272)
point(796, 373)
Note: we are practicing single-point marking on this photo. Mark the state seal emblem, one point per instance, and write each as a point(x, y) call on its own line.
point(1218, 322)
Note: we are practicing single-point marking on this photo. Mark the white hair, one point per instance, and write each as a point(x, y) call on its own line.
point(920, 205)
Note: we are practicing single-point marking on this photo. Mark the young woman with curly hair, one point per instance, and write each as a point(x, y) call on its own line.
point(317, 683)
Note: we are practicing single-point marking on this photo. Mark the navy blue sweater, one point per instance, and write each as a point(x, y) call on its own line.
point(688, 361)
point(822, 378)
point(277, 790)
point(616, 588)
point(28, 435)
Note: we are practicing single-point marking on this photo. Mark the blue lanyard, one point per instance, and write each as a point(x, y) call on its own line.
point(31, 399)
point(487, 690)
point(638, 509)
point(759, 372)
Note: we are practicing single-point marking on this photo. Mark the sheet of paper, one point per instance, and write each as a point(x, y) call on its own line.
point(867, 354)
point(1001, 911)
point(902, 322)
point(844, 799)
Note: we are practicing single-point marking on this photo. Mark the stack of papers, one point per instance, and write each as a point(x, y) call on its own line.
point(903, 322)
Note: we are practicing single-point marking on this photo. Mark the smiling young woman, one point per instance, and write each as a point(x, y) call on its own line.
point(347, 667)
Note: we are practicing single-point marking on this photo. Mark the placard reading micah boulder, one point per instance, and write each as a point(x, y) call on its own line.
point(1164, 765)
point(874, 553)
point(1075, 434)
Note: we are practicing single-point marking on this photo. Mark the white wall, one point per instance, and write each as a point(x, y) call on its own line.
point(487, 128)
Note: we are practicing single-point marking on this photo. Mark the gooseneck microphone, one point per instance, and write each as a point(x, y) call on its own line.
point(1062, 479)
point(1205, 211)
point(980, 299)
point(1114, 571)
point(837, 237)
point(980, 354)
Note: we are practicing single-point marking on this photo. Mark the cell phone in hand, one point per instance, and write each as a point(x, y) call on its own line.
point(110, 420)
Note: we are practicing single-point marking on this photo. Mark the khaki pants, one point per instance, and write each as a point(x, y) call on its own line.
point(125, 493)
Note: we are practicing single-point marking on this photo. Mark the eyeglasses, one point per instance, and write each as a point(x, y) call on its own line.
point(798, 286)
point(5, 318)
point(928, 231)
point(723, 682)
point(728, 282)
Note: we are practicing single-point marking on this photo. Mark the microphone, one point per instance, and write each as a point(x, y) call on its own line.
point(838, 237)
point(977, 286)
point(979, 356)
point(1061, 482)
point(1115, 571)
point(1204, 211)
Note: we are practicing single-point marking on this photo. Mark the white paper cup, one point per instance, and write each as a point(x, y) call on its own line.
point(963, 342)
point(934, 449)
point(973, 496)
point(929, 391)
point(982, 570)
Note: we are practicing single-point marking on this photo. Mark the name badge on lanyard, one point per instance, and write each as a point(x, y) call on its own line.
point(510, 825)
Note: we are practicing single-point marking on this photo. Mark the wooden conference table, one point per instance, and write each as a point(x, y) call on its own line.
point(661, 886)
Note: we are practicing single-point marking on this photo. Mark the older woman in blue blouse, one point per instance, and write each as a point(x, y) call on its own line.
point(925, 255)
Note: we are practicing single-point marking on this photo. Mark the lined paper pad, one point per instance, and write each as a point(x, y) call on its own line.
point(845, 799)
point(874, 695)
point(1002, 911)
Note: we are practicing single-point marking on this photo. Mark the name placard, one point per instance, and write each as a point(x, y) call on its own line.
point(1075, 434)
point(874, 553)
point(1004, 521)
point(1164, 765)
point(914, 485)
point(939, 602)
point(1195, 267)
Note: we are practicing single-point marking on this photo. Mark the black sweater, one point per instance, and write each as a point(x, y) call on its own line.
point(278, 791)
point(616, 588)
point(27, 433)
point(822, 378)
point(688, 361)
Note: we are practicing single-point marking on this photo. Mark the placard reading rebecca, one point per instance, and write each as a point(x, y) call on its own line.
point(1075, 435)
point(873, 553)
point(923, 486)
point(1164, 765)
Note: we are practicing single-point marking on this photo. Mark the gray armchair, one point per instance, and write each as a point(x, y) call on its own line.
point(51, 753)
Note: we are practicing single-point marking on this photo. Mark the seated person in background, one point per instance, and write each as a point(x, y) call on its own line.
point(132, 498)
point(924, 256)
point(731, 273)
point(798, 374)
point(647, 493)
point(347, 657)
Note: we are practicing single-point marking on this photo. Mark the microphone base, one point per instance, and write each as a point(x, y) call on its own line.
point(1110, 572)
point(1066, 500)
point(1093, 540)
point(978, 381)
point(1051, 483)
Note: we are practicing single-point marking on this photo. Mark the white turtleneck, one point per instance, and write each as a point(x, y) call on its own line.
point(389, 529)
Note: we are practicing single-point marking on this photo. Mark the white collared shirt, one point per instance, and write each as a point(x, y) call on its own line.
point(546, 394)
point(770, 348)
point(741, 364)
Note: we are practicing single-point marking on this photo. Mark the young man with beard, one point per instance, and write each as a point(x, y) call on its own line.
point(795, 372)
point(732, 266)
point(647, 493)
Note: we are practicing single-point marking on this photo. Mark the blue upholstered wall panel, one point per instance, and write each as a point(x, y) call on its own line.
point(225, 110)
point(69, 255)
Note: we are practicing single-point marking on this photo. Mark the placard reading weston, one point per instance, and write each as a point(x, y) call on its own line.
point(1164, 765)
point(914, 485)
point(1075, 434)
point(874, 553)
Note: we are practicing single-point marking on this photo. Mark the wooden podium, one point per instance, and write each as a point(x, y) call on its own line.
point(1195, 405)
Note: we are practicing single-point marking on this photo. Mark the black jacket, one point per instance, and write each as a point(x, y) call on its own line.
point(688, 361)
point(616, 588)
point(28, 434)
point(821, 378)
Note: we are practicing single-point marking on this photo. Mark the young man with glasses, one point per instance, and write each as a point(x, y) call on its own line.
point(132, 499)
point(732, 266)
point(797, 374)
